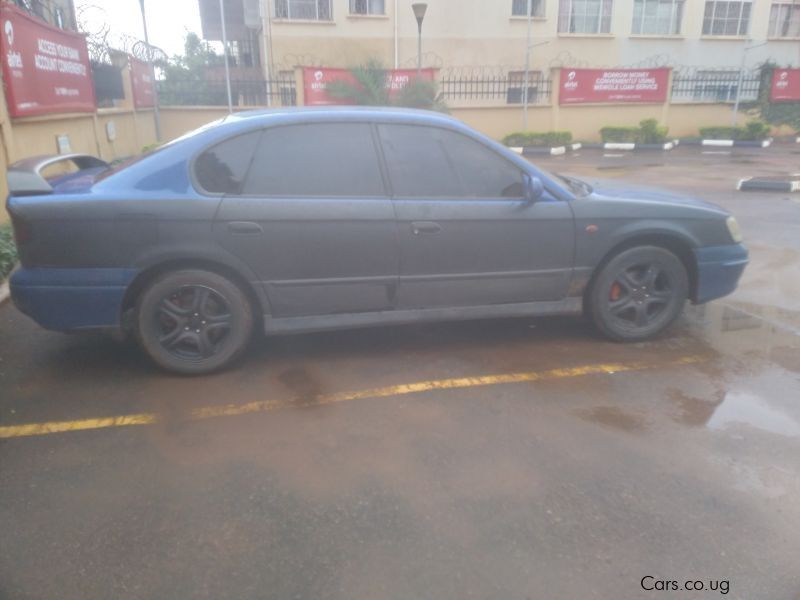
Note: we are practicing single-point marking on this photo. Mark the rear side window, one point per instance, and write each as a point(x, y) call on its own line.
point(324, 159)
point(426, 162)
point(222, 168)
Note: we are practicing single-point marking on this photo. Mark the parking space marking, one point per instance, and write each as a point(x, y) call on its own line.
point(231, 410)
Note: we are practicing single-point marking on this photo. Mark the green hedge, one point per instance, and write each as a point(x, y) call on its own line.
point(8, 250)
point(537, 138)
point(648, 132)
point(615, 133)
point(753, 131)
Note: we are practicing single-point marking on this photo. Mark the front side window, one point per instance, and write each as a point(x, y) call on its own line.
point(317, 159)
point(314, 10)
point(727, 18)
point(657, 17)
point(784, 20)
point(519, 8)
point(426, 162)
point(584, 16)
point(222, 168)
point(367, 7)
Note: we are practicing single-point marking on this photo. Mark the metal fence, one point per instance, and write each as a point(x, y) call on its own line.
point(280, 92)
point(506, 88)
point(715, 86)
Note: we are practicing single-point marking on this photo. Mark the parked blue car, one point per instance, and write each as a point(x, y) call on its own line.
point(310, 219)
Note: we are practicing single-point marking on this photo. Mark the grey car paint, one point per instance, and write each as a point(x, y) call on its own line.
point(318, 264)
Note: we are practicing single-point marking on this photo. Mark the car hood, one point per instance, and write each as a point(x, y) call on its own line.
point(606, 189)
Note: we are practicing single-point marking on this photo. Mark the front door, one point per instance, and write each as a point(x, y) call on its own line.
point(467, 236)
point(314, 221)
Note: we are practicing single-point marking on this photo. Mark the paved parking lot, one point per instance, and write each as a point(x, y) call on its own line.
point(525, 458)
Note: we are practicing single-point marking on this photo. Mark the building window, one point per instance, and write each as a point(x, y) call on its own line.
point(516, 87)
point(313, 10)
point(584, 16)
point(520, 7)
point(784, 20)
point(727, 18)
point(657, 17)
point(367, 7)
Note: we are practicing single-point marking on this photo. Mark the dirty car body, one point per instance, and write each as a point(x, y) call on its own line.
point(305, 220)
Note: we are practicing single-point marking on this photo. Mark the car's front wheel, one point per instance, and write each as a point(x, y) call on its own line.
point(193, 321)
point(638, 293)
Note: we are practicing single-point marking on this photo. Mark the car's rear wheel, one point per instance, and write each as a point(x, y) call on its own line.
point(193, 321)
point(638, 293)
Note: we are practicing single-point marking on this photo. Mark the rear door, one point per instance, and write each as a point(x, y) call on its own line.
point(314, 221)
point(467, 237)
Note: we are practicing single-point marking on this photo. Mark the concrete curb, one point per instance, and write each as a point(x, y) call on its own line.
point(5, 293)
point(631, 147)
point(730, 143)
point(555, 150)
point(770, 184)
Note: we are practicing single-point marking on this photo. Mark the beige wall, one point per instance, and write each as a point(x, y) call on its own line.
point(87, 135)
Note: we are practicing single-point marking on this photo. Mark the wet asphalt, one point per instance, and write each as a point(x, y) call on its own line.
point(572, 486)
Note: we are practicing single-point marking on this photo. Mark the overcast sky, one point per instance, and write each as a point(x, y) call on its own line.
point(167, 20)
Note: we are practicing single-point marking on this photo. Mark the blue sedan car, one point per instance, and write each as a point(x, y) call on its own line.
point(304, 220)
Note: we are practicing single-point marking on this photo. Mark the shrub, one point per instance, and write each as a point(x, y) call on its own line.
point(536, 138)
point(619, 134)
point(720, 132)
point(754, 130)
point(650, 132)
point(8, 250)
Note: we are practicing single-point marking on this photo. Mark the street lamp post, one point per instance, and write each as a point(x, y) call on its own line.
point(156, 112)
point(225, 53)
point(419, 9)
point(741, 81)
point(526, 81)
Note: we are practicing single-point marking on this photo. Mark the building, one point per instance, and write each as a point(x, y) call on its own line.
point(60, 13)
point(461, 36)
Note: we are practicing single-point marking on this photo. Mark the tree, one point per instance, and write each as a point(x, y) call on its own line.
point(185, 80)
point(370, 88)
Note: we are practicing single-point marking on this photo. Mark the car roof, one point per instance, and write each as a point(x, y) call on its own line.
point(272, 116)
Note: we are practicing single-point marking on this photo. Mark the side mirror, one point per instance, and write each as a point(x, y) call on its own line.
point(534, 189)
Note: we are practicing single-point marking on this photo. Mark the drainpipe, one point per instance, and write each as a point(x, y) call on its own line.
point(396, 41)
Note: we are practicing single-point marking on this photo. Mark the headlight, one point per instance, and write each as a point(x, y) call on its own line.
point(733, 229)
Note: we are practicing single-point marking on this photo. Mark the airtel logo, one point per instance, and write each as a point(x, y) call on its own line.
point(14, 59)
point(318, 75)
point(571, 84)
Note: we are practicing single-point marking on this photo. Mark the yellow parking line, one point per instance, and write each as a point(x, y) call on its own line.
point(230, 410)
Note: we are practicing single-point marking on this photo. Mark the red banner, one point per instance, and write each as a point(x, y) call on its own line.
point(142, 84)
point(591, 86)
point(317, 79)
point(46, 69)
point(785, 85)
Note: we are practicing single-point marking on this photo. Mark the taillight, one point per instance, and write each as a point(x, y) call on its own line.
point(23, 232)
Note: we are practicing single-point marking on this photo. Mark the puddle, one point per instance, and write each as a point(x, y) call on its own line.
point(692, 411)
point(613, 417)
point(742, 408)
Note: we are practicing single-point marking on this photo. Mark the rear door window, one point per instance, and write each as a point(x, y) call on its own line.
point(316, 159)
point(222, 168)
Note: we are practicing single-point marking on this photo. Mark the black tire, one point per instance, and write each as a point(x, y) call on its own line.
point(638, 293)
point(193, 322)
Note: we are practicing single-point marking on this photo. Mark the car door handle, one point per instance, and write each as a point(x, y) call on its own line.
point(419, 227)
point(244, 227)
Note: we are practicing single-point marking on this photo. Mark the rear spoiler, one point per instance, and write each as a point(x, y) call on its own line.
point(25, 177)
